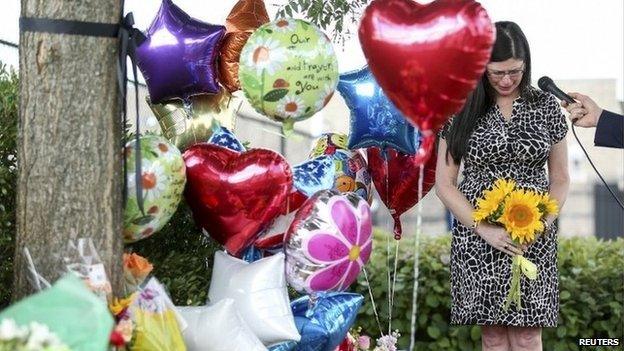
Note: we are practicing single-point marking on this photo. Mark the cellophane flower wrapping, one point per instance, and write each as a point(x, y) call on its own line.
point(70, 311)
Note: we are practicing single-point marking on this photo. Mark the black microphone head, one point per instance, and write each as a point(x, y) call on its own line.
point(544, 82)
point(547, 84)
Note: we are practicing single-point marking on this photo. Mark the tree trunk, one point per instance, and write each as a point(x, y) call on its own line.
point(69, 144)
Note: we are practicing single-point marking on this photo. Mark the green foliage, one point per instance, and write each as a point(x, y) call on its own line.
point(182, 258)
point(9, 88)
point(591, 285)
point(333, 16)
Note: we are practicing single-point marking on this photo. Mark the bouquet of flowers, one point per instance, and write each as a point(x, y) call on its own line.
point(136, 268)
point(67, 309)
point(31, 337)
point(522, 213)
point(356, 341)
point(123, 333)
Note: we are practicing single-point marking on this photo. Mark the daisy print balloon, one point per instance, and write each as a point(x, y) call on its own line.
point(329, 242)
point(288, 70)
point(162, 179)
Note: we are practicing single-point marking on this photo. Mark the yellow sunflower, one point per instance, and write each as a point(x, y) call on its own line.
point(521, 216)
point(492, 199)
point(548, 205)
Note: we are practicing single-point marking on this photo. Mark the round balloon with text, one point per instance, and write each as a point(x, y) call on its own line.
point(288, 70)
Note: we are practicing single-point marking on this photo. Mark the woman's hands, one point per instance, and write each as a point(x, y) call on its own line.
point(498, 238)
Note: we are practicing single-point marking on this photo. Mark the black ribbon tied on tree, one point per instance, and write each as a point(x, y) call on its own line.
point(129, 39)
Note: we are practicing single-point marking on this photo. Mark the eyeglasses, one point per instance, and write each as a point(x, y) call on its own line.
point(512, 73)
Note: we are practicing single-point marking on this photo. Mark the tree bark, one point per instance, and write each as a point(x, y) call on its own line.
point(69, 145)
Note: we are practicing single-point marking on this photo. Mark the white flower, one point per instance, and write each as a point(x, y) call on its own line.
point(388, 342)
point(324, 99)
point(40, 337)
point(265, 53)
point(290, 106)
point(34, 337)
point(284, 25)
point(152, 180)
point(125, 328)
point(10, 330)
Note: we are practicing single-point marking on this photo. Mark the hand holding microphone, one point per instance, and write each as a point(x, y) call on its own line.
point(584, 113)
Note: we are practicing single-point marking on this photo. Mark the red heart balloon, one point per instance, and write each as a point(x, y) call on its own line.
point(396, 176)
point(235, 195)
point(427, 58)
point(273, 237)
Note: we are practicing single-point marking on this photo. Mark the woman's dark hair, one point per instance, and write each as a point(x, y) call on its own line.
point(510, 43)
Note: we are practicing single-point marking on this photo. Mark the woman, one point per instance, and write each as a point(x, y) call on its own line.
point(507, 129)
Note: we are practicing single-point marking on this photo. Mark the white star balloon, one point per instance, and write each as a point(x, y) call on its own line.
point(260, 294)
point(218, 327)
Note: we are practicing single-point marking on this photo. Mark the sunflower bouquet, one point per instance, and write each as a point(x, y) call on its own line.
point(521, 212)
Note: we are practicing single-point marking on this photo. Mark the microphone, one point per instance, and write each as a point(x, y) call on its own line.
point(547, 84)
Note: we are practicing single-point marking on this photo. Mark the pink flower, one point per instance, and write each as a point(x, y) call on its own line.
point(364, 342)
point(345, 250)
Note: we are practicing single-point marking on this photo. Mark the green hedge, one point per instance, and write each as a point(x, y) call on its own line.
point(8, 176)
point(182, 258)
point(591, 294)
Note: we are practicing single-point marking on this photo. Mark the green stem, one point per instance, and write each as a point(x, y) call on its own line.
point(514, 286)
point(262, 88)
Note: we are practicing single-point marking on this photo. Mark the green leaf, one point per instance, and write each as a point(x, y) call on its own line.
point(250, 82)
point(433, 332)
point(444, 343)
point(560, 347)
point(275, 94)
point(142, 220)
point(432, 301)
point(475, 333)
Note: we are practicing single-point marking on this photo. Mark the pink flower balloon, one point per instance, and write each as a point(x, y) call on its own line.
point(329, 242)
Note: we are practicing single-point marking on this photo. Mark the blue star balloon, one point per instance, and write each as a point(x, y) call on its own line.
point(314, 175)
point(375, 121)
point(223, 137)
point(324, 325)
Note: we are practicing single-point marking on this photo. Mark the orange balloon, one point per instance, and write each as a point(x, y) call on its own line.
point(246, 16)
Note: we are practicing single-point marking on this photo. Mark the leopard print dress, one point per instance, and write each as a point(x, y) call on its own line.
point(480, 274)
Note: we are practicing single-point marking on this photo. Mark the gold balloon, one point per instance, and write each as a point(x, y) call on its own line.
point(194, 123)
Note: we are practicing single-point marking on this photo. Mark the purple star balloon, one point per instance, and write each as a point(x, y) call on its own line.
point(178, 58)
